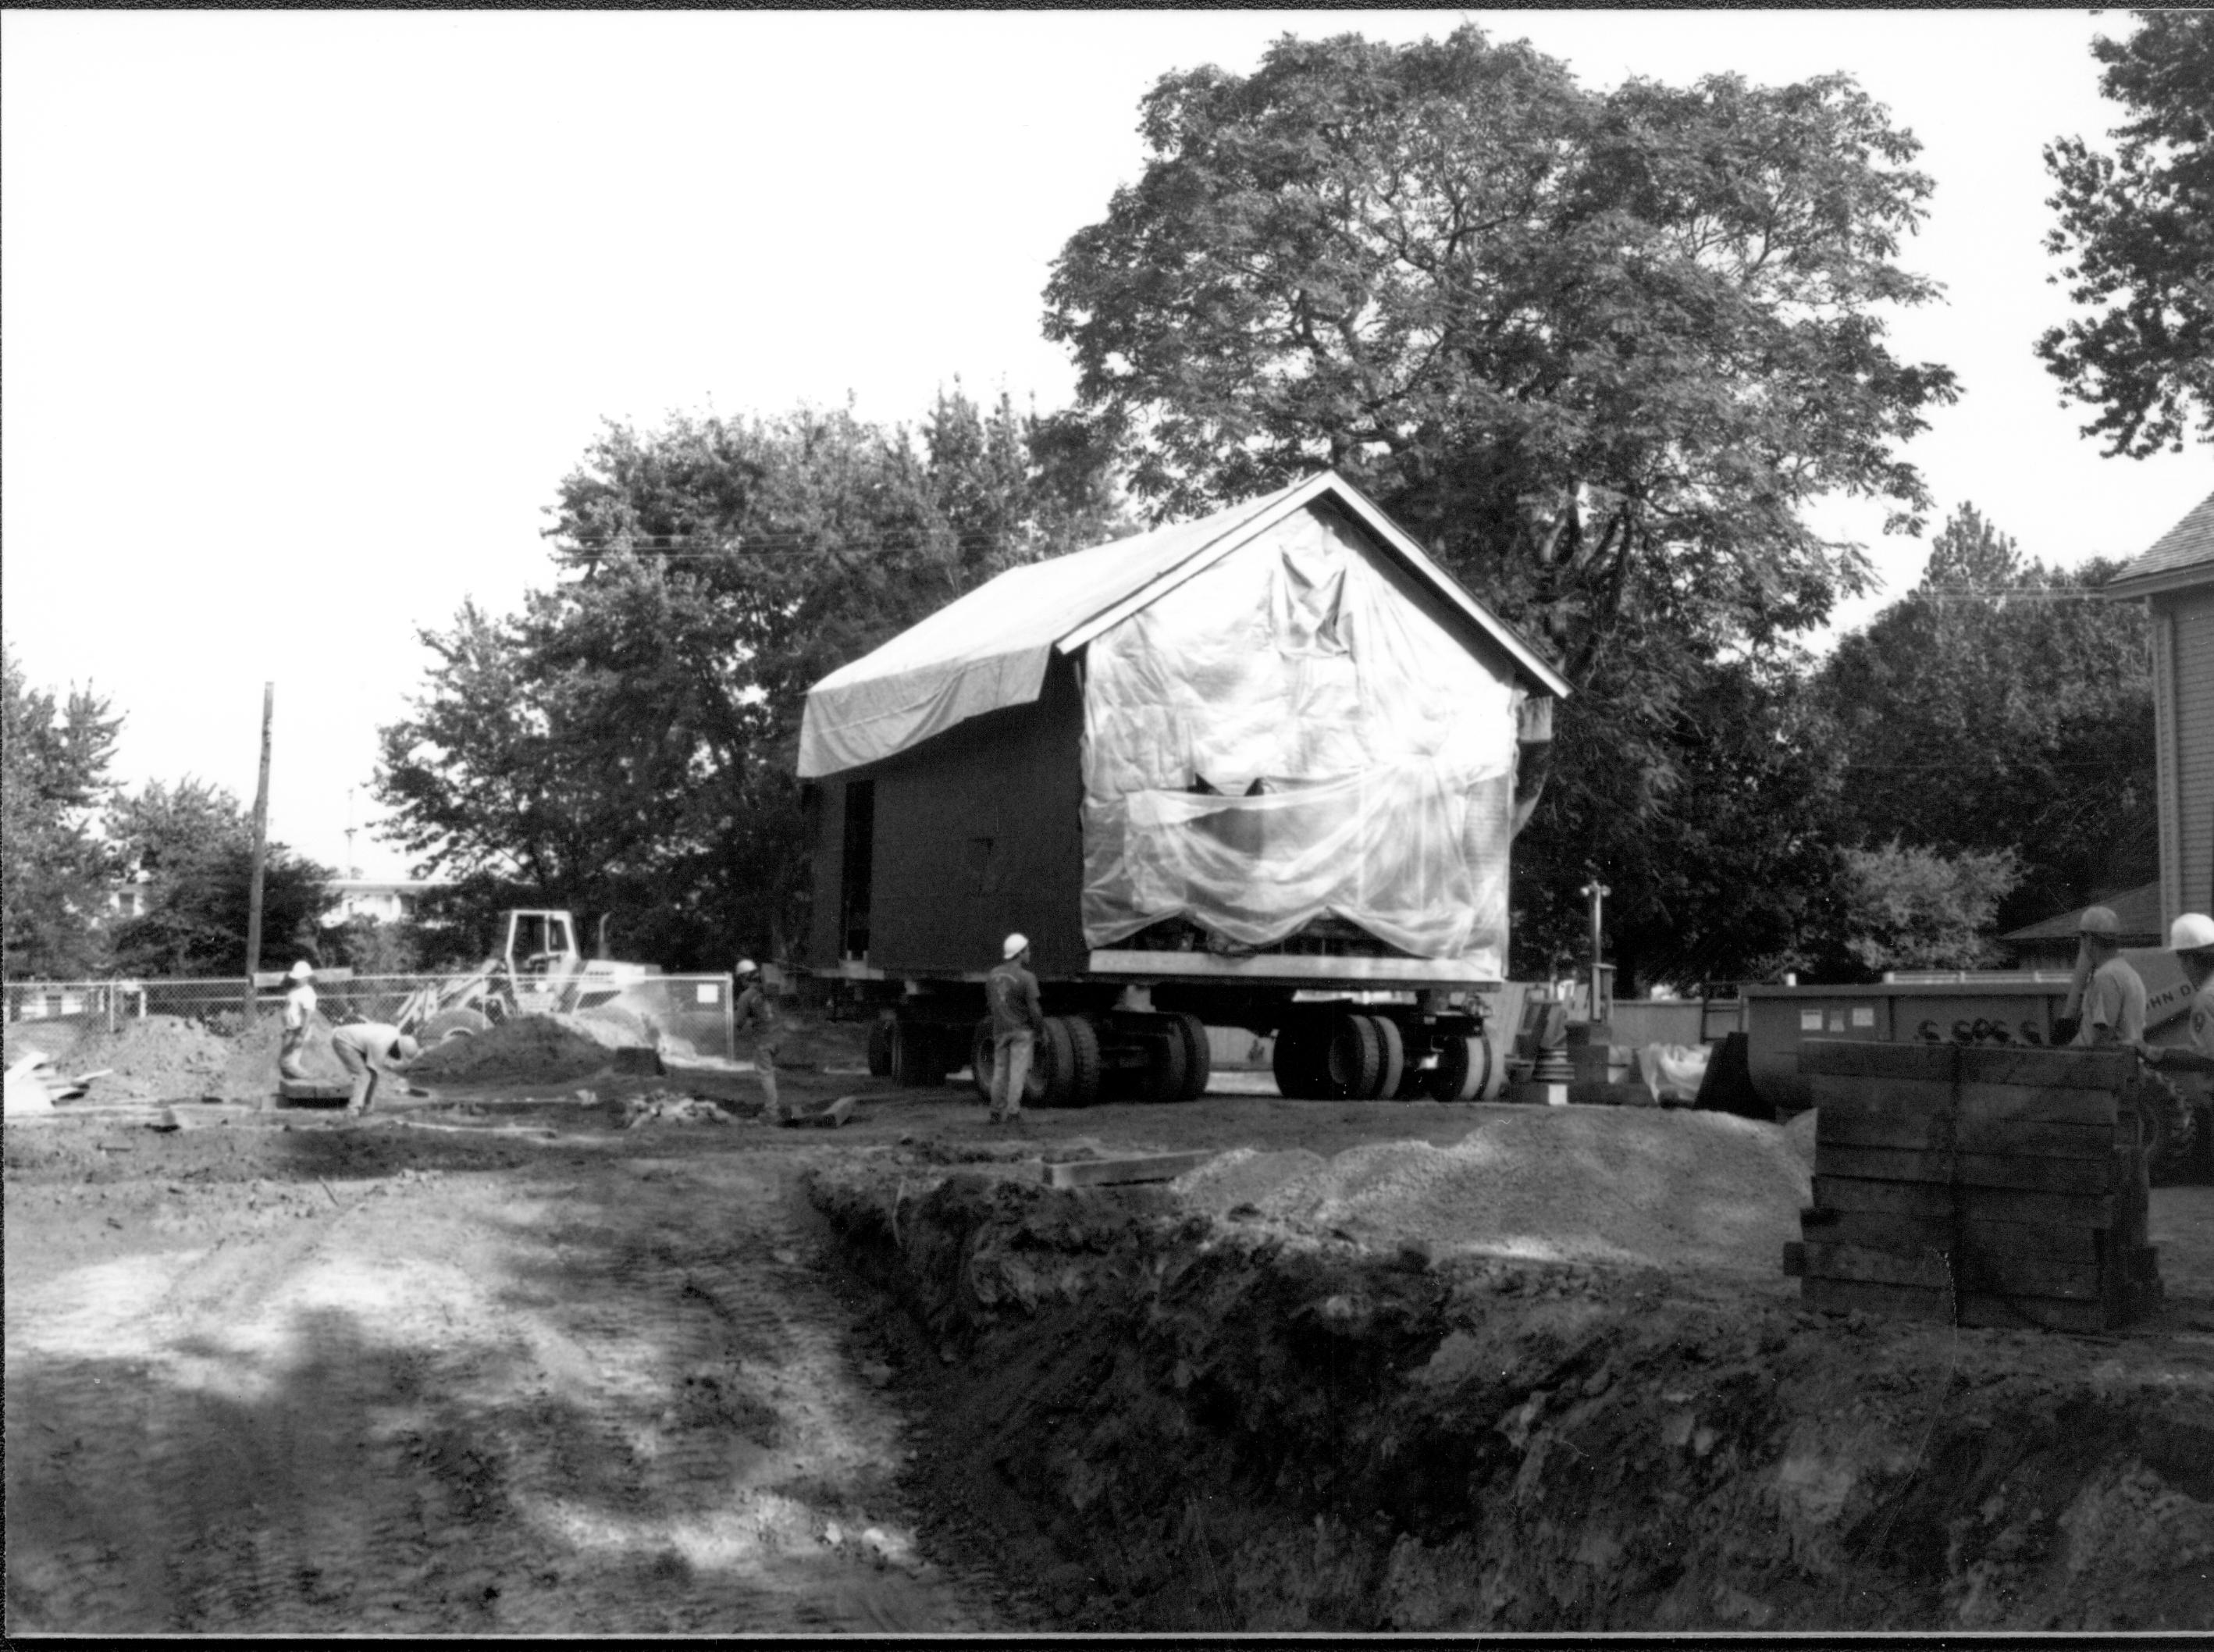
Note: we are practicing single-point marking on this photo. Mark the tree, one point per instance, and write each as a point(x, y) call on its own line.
point(2139, 227)
point(196, 845)
point(1913, 909)
point(625, 746)
point(2002, 705)
point(54, 758)
point(1597, 350)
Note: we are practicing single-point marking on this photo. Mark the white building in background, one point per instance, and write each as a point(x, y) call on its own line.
point(387, 900)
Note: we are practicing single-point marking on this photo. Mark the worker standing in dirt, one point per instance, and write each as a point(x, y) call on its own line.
point(2114, 994)
point(756, 1009)
point(299, 1017)
point(2192, 938)
point(1018, 1022)
point(368, 1050)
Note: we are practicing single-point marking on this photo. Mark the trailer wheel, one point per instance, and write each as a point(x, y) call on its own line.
point(2167, 1122)
point(880, 1047)
point(1168, 1064)
point(451, 1023)
point(918, 1057)
point(983, 1049)
point(1464, 1063)
point(1199, 1056)
point(1394, 1064)
point(1292, 1061)
point(1066, 1073)
point(1355, 1059)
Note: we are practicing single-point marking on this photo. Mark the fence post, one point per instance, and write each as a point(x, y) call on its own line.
point(730, 1018)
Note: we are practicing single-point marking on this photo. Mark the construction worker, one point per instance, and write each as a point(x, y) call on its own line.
point(1016, 1024)
point(368, 1049)
point(2113, 996)
point(299, 1018)
point(2192, 937)
point(756, 1009)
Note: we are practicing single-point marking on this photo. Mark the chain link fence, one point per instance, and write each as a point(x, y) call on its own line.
point(686, 1014)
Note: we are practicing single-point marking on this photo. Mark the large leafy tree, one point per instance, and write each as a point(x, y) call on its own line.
point(1598, 351)
point(625, 746)
point(54, 758)
point(2137, 225)
point(194, 846)
point(2001, 707)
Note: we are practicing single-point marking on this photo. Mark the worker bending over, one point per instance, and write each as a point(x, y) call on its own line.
point(368, 1049)
point(299, 1017)
point(1016, 1024)
point(756, 1009)
point(2113, 1010)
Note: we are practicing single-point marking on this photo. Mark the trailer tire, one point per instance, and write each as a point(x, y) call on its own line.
point(1065, 1071)
point(1494, 1069)
point(1388, 1081)
point(983, 1050)
point(1292, 1060)
point(1463, 1062)
point(451, 1023)
point(1355, 1058)
point(1199, 1056)
point(918, 1056)
point(880, 1047)
point(1168, 1062)
point(2167, 1122)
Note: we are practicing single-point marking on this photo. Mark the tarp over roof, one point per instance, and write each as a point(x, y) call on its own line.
point(989, 649)
point(2184, 555)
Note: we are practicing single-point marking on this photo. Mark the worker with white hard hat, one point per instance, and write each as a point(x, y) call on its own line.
point(299, 1018)
point(368, 1049)
point(1018, 1022)
point(2112, 992)
point(2192, 938)
point(757, 1011)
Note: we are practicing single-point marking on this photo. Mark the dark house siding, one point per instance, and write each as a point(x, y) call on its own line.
point(976, 834)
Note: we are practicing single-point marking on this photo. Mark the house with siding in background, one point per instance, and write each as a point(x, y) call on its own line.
point(2176, 580)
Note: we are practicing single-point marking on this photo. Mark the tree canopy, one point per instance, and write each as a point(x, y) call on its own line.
point(1597, 349)
point(625, 746)
point(2138, 228)
point(54, 758)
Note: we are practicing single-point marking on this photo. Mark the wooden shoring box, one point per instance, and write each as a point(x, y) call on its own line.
point(1975, 1186)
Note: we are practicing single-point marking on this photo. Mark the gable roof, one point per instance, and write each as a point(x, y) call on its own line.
point(989, 649)
point(2184, 555)
point(2137, 910)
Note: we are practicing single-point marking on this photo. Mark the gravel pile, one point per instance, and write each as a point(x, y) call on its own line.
point(1675, 1189)
point(155, 1057)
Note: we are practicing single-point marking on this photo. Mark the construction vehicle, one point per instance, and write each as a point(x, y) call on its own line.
point(1259, 770)
point(538, 971)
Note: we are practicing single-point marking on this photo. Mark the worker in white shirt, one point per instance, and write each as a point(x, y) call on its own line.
point(299, 1017)
point(368, 1050)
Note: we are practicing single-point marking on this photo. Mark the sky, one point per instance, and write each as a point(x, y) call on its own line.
point(308, 314)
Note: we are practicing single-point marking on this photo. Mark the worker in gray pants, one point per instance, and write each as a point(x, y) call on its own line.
point(757, 1011)
point(368, 1049)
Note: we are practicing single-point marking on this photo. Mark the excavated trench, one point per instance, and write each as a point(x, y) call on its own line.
point(1190, 1422)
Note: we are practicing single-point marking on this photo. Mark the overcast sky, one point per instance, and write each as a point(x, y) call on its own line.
point(308, 314)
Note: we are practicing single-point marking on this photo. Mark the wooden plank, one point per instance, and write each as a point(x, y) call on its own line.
point(1862, 1058)
point(1833, 1090)
point(1973, 1271)
point(1920, 1302)
point(824, 1118)
point(2078, 1245)
point(2082, 1176)
point(1096, 1172)
point(2045, 1069)
point(1794, 1259)
point(1885, 1127)
point(1980, 1203)
point(2025, 1105)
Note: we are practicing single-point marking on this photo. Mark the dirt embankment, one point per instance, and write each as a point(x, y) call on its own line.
point(1183, 1413)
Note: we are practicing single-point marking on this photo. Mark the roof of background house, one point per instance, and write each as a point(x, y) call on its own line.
point(2184, 555)
point(989, 649)
point(2138, 910)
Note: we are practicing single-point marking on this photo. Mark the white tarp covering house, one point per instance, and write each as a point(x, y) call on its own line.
point(1287, 711)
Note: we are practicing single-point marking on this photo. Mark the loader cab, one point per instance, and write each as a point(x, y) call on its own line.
point(542, 946)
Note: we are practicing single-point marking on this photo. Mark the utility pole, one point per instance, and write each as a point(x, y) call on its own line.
point(1598, 892)
point(261, 850)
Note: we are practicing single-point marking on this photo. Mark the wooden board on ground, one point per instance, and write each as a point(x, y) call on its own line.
point(1982, 1170)
point(1923, 1132)
point(1985, 1203)
point(1099, 1172)
point(313, 1089)
point(826, 1118)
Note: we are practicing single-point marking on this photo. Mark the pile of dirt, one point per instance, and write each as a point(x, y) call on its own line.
point(155, 1057)
point(1569, 1184)
point(549, 1048)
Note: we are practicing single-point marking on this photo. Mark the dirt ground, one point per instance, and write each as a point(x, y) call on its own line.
point(489, 1362)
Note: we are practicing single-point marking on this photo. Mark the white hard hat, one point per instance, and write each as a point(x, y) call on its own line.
point(1015, 945)
point(301, 971)
point(2192, 932)
point(748, 967)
